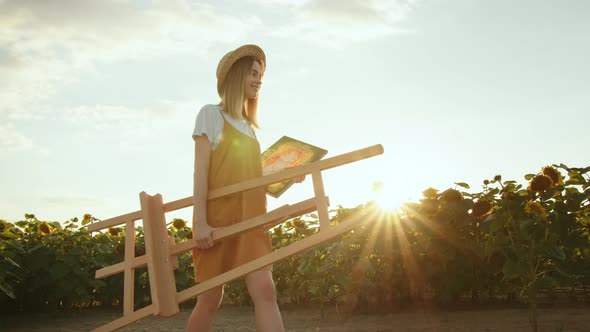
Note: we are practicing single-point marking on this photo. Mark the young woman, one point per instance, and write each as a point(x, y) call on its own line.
point(227, 152)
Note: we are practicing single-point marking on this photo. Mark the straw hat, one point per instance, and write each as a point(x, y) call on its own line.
point(230, 58)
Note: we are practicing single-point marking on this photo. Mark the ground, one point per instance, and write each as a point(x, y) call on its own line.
point(236, 319)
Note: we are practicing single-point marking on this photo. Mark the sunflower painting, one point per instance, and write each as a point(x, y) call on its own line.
point(287, 153)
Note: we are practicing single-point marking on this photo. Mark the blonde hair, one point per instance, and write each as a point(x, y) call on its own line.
point(232, 91)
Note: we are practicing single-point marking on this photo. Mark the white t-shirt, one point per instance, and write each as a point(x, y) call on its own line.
point(210, 122)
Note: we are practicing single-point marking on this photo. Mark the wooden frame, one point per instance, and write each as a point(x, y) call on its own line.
point(161, 251)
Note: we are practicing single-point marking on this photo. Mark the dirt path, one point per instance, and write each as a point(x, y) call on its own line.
point(236, 319)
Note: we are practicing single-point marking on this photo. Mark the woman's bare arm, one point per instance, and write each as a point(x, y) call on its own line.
point(201, 229)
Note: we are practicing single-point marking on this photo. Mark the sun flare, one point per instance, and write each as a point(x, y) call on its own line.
point(386, 198)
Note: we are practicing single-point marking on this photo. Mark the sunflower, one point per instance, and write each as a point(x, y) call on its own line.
point(540, 183)
point(178, 223)
point(429, 206)
point(430, 193)
point(299, 223)
point(114, 231)
point(498, 178)
point(451, 195)
point(553, 174)
point(534, 208)
point(482, 208)
point(44, 228)
point(87, 218)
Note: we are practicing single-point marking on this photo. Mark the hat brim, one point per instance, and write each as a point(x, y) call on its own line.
point(230, 58)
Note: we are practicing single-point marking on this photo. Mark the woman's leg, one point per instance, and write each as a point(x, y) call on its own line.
point(262, 291)
point(201, 318)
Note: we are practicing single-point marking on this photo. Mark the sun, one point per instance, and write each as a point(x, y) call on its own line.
point(386, 198)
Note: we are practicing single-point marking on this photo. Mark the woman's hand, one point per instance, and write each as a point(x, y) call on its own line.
point(203, 236)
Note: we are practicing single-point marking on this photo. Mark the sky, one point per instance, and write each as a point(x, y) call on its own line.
point(98, 98)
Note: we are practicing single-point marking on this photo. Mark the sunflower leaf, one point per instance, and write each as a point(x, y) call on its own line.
point(462, 184)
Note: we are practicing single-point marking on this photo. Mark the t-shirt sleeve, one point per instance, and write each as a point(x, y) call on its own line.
point(209, 122)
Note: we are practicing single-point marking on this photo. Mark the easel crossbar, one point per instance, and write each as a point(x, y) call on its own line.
point(267, 221)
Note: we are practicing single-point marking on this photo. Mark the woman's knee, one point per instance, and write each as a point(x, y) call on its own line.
point(261, 286)
point(211, 299)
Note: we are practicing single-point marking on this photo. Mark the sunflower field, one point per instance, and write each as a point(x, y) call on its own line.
point(522, 243)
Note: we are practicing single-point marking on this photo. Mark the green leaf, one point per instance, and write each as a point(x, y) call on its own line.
point(55, 224)
point(513, 269)
point(5, 288)
point(525, 224)
point(59, 270)
point(21, 223)
point(11, 261)
point(8, 235)
point(462, 185)
point(554, 251)
point(575, 178)
point(495, 225)
point(529, 177)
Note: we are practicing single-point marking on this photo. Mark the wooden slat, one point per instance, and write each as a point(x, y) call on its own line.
point(126, 320)
point(112, 222)
point(108, 271)
point(273, 257)
point(160, 269)
point(328, 163)
point(283, 175)
point(321, 203)
point(128, 281)
point(178, 204)
point(270, 219)
point(174, 259)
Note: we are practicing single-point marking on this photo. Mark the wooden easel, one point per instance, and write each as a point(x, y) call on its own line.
point(161, 251)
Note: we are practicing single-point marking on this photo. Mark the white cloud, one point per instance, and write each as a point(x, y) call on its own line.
point(126, 127)
point(349, 11)
point(119, 117)
point(46, 44)
point(100, 117)
point(11, 139)
point(335, 23)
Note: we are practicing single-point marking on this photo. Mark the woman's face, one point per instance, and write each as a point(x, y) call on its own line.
point(253, 81)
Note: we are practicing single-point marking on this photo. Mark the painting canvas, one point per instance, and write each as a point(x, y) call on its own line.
point(285, 153)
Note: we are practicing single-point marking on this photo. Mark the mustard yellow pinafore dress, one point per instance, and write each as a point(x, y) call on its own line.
point(236, 158)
